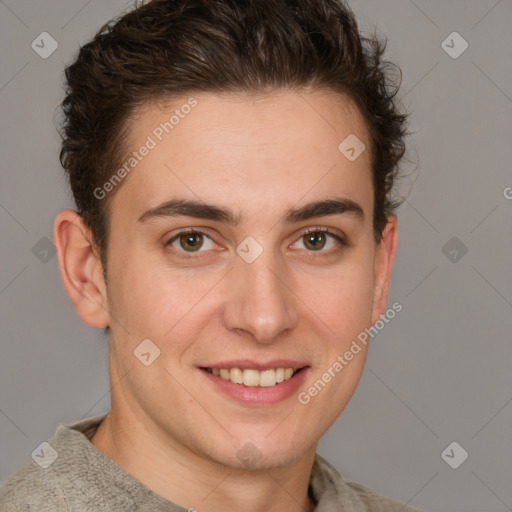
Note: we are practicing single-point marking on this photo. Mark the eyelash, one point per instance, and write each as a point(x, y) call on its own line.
point(187, 255)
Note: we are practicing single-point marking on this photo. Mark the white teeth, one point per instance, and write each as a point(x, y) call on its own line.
point(251, 377)
point(267, 378)
point(255, 378)
point(236, 375)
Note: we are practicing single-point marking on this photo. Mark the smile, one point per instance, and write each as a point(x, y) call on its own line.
point(256, 383)
point(254, 378)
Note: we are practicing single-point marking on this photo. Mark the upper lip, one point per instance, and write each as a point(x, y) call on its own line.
point(251, 364)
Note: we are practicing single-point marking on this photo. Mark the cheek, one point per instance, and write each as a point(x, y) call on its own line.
point(156, 301)
point(344, 297)
point(345, 305)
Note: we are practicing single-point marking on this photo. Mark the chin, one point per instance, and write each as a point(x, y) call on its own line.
point(261, 453)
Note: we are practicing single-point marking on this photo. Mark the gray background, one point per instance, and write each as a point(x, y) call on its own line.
point(439, 372)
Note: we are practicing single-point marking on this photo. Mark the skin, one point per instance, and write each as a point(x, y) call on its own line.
point(258, 156)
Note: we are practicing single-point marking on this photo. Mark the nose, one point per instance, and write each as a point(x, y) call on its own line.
point(260, 302)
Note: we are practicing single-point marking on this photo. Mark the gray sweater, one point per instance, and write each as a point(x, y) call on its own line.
point(69, 474)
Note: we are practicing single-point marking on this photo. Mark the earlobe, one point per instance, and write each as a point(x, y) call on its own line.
point(384, 258)
point(81, 269)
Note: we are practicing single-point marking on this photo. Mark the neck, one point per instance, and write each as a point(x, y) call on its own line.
point(200, 483)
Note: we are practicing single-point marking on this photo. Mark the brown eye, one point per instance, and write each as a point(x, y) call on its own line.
point(322, 241)
point(315, 241)
point(191, 241)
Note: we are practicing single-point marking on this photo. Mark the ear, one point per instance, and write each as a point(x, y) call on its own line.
point(81, 269)
point(384, 258)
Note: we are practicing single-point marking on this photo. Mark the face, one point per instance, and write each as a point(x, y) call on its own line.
point(242, 245)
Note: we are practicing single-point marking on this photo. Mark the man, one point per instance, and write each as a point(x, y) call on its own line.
point(232, 165)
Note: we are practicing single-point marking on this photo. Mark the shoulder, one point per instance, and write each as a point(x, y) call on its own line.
point(52, 481)
point(359, 497)
point(376, 502)
point(32, 488)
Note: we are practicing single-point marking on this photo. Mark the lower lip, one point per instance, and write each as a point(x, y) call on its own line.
point(259, 395)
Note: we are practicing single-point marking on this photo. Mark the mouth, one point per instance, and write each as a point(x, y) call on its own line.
point(253, 378)
point(255, 383)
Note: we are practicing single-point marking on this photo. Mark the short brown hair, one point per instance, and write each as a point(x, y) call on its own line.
point(166, 48)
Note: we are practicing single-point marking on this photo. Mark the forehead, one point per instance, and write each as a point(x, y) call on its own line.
point(244, 148)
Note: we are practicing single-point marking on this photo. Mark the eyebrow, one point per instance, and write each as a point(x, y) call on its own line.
point(201, 210)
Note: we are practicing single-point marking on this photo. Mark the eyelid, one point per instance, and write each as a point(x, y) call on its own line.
point(190, 255)
point(186, 231)
point(324, 229)
point(334, 233)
